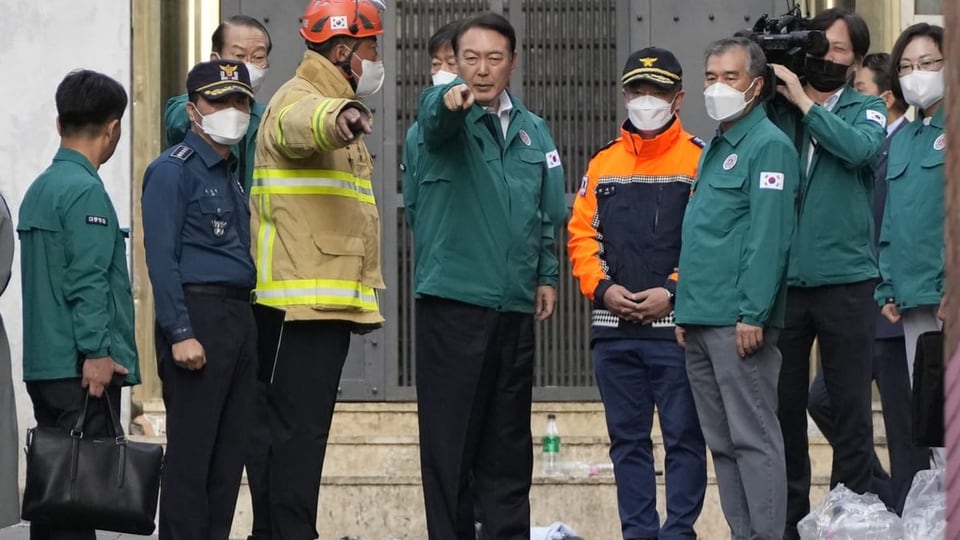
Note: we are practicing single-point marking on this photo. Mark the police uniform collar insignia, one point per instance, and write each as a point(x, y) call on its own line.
point(524, 137)
point(730, 162)
point(182, 152)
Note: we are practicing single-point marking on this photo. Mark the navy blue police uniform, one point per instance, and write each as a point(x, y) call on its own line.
point(196, 225)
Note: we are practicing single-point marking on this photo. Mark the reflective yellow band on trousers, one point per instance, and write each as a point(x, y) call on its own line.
point(317, 292)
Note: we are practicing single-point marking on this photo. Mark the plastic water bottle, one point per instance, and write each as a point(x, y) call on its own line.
point(551, 447)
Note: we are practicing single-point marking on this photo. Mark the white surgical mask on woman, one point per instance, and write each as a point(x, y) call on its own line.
point(725, 102)
point(922, 88)
point(226, 126)
point(649, 113)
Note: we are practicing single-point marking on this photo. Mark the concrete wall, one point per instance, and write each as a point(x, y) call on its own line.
point(42, 42)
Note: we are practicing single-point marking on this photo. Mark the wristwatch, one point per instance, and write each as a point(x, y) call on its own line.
point(670, 295)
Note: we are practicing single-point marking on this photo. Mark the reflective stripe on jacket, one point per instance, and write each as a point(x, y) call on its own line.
point(315, 227)
point(626, 222)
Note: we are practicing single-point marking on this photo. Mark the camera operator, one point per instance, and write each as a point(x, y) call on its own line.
point(832, 271)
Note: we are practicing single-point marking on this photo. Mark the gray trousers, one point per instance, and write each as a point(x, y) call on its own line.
point(736, 400)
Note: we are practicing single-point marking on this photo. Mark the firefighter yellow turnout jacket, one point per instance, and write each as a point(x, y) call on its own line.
point(315, 227)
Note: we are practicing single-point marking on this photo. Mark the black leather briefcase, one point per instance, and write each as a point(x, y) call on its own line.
point(86, 482)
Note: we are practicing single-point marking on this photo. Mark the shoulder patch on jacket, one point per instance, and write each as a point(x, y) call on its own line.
point(697, 141)
point(604, 147)
point(876, 116)
point(182, 152)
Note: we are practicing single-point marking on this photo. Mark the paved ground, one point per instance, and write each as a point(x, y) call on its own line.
point(22, 532)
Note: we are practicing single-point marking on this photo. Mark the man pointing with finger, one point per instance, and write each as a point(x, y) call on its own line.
point(316, 242)
point(489, 208)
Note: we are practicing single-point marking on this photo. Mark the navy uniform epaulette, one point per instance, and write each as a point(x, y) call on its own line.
point(181, 152)
point(604, 147)
point(697, 141)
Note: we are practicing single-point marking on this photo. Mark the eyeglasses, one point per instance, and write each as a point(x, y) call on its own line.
point(907, 68)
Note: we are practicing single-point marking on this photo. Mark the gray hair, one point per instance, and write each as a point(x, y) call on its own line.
point(756, 60)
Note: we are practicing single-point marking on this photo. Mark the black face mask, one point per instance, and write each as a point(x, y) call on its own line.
point(824, 75)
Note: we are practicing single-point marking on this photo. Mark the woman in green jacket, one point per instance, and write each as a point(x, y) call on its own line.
point(911, 237)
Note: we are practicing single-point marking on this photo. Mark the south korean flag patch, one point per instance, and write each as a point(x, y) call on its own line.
point(553, 159)
point(338, 22)
point(583, 186)
point(771, 180)
point(878, 117)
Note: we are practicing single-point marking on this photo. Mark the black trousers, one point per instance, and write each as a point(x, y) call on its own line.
point(57, 403)
point(890, 373)
point(843, 318)
point(301, 401)
point(208, 419)
point(257, 463)
point(474, 389)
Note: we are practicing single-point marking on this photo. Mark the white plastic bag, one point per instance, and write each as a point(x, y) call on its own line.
point(556, 531)
point(846, 515)
point(923, 511)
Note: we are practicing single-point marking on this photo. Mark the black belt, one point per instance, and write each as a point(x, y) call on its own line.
point(233, 293)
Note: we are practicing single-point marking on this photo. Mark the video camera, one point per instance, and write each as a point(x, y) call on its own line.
point(787, 39)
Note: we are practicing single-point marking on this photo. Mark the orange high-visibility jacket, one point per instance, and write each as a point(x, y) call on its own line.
point(627, 219)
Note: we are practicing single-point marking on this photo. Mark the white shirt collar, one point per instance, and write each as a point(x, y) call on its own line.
point(896, 123)
point(831, 101)
point(505, 105)
point(503, 111)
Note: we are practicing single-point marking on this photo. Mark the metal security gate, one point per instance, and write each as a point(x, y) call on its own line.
point(571, 55)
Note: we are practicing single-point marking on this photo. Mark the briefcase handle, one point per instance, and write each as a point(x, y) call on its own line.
point(118, 434)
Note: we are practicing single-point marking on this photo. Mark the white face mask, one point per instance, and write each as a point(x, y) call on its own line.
point(922, 88)
point(725, 102)
point(371, 78)
point(226, 126)
point(442, 77)
point(257, 74)
point(649, 113)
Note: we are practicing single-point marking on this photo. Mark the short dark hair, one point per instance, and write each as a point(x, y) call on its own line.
point(217, 40)
point(443, 36)
point(931, 31)
point(488, 21)
point(856, 28)
point(883, 75)
point(87, 100)
point(756, 61)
